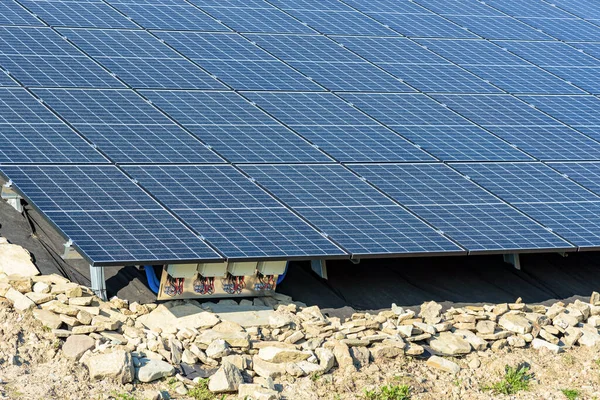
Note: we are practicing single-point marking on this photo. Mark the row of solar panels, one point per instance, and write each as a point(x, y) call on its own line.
point(288, 211)
point(530, 20)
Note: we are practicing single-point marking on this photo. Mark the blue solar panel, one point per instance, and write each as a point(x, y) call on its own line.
point(390, 50)
point(258, 143)
point(253, 4)
point(550, 54)
point(394, 6)
point(520, 183)
point(35, 42)
point(257, 20)
point(586, 174)
point(106, 215)
point(550, 142)
point(18, 106)
point(362, 143)
point(472, 52)
point(88, 14)
point(6, 81)
point(566, 29)
point(405, 109)
point(12, 13)
point(459, 7)
point(141, 60)
point(424, 184)
point(422, 26)
point(572, 110)
point(314, 5)
point(348, 210)
point(532, 8)
point(342, 23)
point(147, 143)
point(583, 8)
point(440, 78)
point(49, 71)
point(497, 227)
point(585, 78)
point(495, 110)
point(524, 79)
point(44, 144)
point(181, 17)
point(501, 27)
point(233, 213)
point(460, 143)
point(305, 48)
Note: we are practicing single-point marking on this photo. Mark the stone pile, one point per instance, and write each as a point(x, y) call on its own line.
point(248, 346)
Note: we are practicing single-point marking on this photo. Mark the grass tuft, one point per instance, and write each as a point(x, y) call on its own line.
point(389, 392)
point(515, 379)
point(571, 394)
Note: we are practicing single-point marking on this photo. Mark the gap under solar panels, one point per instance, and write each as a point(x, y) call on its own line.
point(108, 218)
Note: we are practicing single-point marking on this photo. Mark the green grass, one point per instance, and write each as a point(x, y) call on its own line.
point(389, 392)
point(123, 396)
point(571, 394)
point(201, 392)
point(515, 379)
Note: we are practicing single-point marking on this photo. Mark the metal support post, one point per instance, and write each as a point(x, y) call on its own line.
point(11, 197)
point(320, 268)
point(513, 259)
point(98, 281)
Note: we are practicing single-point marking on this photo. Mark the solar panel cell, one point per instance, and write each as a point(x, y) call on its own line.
point(257, 20)
point(91, 14)
point(12, 13)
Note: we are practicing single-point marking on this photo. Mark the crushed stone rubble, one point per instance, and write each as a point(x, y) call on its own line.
point(244, 347)
point(247, 347)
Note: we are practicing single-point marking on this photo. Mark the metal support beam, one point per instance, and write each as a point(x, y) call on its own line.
point(70, 253)
point(98, 281)
point(320, 268)
point(513, 259)
point(11, 197)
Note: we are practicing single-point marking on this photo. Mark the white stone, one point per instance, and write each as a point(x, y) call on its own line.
point(47, 318)
point(153, 369)
point(15, 260)
point(181, 316)
point(41, 287)
point(449, 344)
point(326, 359)
point(542, 344)
point(475, 341)
point(281, 355)
point(515, 323)
point(20, 302)
point(218, 349)
point(76, 345)
point(227, 379)
point(443, 364)
point(117, 365)
point(256, 392)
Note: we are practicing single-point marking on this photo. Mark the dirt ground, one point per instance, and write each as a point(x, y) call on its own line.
point(32, 367)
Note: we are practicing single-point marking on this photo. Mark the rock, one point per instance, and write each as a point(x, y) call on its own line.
point(595, 298)
point(60, 308)
point(547, 336)
point(20, 302)
point(449, 344)
point(567, 318)
point(516, 341)
point(425, 328)
point(326, 359)
point(555, 310)
point(582, 307)
point(589, 338)
point(280, 320)
point(443, 365)
point(41, 287)
point(74, 291)
point(152, 369)
point(405, 330)
point(594, 321)
point(76, 345)
point(475, 341)
point(241, 362)
point(47, 318)
point(84, 317)
point(176, 351)
point(188, 357)
point(474, 363)
point(233, 339)
point(182, 316)
point(103, 323)
point(70, 321)
point(227, 379)
point(39, 298)
point(16, 261)
point(117, 365)
point(83, 329)
point(499, 344)
point(114, 337)
point(486, 327)
point(295, 337)
point(281, 355)
point(430, 312)
point(414, 349)
point(361, 356)
point(256, 392)
point(80, 301)
point(542, 344)
point(61, 333)
point(267, 369)
point(572, 335)
point(343, 357)
point(218, 349)
point(383, 352)
point(515, 323)
point(500, 309)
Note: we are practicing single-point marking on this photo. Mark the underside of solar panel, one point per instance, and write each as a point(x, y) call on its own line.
point(223, 138)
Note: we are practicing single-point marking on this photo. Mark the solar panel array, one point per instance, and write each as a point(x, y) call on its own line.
point(153, 131)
